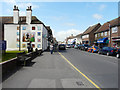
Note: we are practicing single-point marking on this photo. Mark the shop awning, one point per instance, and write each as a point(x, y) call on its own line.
point(102, 40)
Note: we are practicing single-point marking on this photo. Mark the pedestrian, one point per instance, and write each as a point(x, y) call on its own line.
point(51, 48)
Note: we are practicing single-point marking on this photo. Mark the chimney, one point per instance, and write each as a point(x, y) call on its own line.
point(29, 14)
point(15, 15)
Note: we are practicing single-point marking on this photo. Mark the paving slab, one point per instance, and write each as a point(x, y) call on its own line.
point(46, 71)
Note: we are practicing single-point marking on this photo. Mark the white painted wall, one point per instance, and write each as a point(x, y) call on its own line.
point(10, 35)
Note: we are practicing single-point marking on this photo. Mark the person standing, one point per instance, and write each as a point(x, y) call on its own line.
point(51, 48)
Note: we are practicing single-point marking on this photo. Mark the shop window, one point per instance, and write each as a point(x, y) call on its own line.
point(33, 28)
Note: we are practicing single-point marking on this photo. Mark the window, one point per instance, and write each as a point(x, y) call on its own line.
point(39, 28)
point(33, 28)
point(114, 29)
point(96, 35)
point(101, 33)
point(105, 33)
point(23, 28)
point(39, 33)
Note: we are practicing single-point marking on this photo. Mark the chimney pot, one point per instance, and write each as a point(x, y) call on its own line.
point(14, 6)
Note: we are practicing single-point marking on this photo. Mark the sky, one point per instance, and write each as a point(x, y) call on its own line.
point(65, 18)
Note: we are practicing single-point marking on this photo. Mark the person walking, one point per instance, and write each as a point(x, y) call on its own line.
point(51, 48)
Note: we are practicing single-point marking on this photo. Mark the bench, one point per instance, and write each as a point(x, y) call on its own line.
point(23, 59)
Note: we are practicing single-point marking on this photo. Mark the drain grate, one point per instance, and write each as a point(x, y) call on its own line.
point(79, 83)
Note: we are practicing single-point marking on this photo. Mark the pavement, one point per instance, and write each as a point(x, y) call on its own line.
point(101, 69)
point(48, 71)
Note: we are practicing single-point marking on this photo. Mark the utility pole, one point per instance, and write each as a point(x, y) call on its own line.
point(109, 32)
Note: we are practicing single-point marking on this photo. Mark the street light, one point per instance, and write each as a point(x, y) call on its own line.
point(109, 32)
point(20, 34)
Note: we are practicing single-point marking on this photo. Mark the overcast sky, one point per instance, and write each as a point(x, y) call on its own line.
point(65, 18)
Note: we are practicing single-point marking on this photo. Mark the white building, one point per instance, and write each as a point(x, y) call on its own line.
point(78, 39)
point(20, 30)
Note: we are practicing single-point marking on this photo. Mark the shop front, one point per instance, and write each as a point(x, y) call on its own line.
point(103, 42)
point(116, 41)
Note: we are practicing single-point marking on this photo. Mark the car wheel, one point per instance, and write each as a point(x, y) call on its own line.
point(117, 55)
point(108, 53)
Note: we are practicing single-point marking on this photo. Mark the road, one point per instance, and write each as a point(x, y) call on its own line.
point(101, 69)
point(54, 71)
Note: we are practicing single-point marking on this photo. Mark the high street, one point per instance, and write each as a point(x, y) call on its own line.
point(69, 68)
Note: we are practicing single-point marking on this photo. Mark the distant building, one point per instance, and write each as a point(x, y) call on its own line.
point(19, 30)
point(78, 38)
point(88, 35)
point(102, 35)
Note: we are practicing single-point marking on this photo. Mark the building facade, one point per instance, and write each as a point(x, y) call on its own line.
point(88, 36)
point(109, 33)
point(20, 30)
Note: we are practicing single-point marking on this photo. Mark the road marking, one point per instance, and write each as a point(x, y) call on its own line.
point(80, 72)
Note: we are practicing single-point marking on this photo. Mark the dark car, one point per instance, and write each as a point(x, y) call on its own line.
point(107, 51)
point(79, 46)
point(72, 45)
point(62, 47)
point(68, 46)
point(85, 47)
point(118, 53)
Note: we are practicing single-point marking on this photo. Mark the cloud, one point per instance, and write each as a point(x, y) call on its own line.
point(61, 35)
point(97, 16)
point(102, 7)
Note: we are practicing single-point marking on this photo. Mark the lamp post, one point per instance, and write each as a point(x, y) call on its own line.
point(109, 32)
point(19, 35)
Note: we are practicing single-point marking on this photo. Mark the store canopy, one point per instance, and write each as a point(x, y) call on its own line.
point(102, 40)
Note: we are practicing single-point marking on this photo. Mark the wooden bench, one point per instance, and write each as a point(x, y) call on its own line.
point(23, 59)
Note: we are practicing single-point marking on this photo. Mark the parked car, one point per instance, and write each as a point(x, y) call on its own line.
point(85, 47)
point(118, 53)
point(76, 46)
point(93, 49)
point(107, 50)
point(68, 46)
point(79, 46)
point(72, 45)
point(62, 47)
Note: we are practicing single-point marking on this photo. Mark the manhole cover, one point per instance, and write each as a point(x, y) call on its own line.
point(79, 83)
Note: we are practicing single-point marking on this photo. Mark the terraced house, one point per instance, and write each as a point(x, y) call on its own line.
point(109, 33)
point(88, 36)
point(18, 31)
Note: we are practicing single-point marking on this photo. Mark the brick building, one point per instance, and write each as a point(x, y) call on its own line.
point(102, 35)
point(88, 36)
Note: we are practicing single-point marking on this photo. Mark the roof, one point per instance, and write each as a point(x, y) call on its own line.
point(91, 28)
point(9, 20)
point(79, 35)
point(105, 26)
point(49, 30)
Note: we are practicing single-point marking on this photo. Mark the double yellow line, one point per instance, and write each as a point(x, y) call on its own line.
point(80, 72)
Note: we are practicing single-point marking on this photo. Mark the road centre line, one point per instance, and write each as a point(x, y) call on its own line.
point(80, 72)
